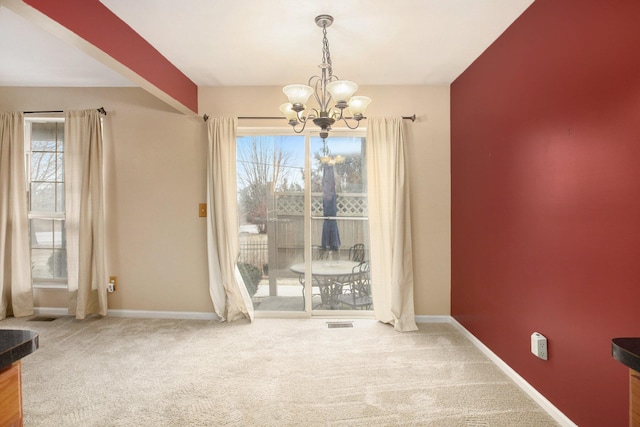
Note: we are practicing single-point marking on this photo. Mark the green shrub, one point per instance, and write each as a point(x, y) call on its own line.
point(251, 276)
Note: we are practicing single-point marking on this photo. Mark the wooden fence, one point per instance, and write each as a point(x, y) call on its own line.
point(283, 244)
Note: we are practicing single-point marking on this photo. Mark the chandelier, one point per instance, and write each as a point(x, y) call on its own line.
point(327, 89)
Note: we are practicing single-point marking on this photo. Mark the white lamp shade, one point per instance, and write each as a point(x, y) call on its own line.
point(298, 94)
point(358, 104)
point(288, 112)
point(342, 90)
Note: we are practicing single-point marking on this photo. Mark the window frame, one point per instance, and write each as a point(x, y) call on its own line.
point(41, 283)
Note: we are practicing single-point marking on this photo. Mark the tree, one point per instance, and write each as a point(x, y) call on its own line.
point(261, 161)
point(46, 166)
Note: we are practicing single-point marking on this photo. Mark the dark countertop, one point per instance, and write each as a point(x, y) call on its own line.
point(16, 344)
point(627, 351)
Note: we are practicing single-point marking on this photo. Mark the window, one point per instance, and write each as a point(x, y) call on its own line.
point(44, 145)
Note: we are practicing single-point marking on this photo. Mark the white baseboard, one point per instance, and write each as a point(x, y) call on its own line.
point(51, 311)
point(152, 314)
point(433, 319)
point(148, 314)
point(554, 412)
point(137, 314)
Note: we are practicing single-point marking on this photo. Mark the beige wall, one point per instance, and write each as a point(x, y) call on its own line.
point(155, 175)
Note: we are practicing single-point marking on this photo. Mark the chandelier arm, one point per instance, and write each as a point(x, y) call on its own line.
point(304, 124)
point(315, 112)
point(317, 91)
point(301, 118)
point(324, 105)
point(346, 122)
point(327, 96)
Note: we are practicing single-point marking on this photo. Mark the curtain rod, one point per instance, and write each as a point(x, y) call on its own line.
point(206, 117)
point(100, 110)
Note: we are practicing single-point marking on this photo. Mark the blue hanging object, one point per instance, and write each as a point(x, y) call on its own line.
point(330, 233)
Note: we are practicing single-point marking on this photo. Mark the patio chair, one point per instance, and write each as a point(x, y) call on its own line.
point(317, 252)
point(357, 252)
point(356, 288)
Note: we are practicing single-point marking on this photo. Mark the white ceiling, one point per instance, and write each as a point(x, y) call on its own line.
point(273, 42)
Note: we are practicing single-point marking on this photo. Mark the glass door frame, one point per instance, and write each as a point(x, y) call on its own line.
point(308, 311)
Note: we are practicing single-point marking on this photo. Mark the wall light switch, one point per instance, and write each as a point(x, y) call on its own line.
point(202, 210)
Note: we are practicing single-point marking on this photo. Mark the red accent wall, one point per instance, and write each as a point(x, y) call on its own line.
point(545, 164)
point(95, 23)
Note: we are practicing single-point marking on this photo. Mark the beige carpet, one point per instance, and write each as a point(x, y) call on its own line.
point(150, 372)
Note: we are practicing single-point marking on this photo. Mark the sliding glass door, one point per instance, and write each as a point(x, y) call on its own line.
point(271, 206)
point(339, 224)
point(303, 222)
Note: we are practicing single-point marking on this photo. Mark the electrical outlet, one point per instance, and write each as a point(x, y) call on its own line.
point(539, 346)
point(113, 284)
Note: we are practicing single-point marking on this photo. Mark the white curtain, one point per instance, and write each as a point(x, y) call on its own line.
point(84, 206)
point(390, 224)
point(231, 301)
point(16, 296)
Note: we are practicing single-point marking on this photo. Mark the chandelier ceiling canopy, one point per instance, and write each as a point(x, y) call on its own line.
point(332, 95)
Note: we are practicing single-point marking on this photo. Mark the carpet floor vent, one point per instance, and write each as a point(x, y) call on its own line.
point(331, 325)
point(42, 319)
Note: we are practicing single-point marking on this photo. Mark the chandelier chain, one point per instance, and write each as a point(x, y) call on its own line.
point(326, 55)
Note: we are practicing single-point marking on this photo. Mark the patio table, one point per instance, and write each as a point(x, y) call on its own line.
point(324, 274)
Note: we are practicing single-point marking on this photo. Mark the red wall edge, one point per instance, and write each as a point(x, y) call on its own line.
point(95, 23)
point(545, 165)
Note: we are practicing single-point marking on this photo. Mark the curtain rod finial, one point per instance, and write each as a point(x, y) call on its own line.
point(205, 117)
point(101, 110)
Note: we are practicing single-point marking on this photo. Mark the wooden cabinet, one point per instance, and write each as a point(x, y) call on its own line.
point(14, 345)
point(11, 396)
point(634, 398)
point(627, 351)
